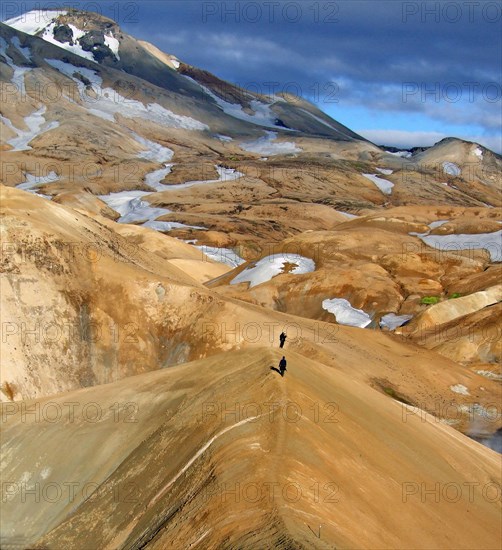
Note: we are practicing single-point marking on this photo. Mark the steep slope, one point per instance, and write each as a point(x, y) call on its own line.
point(263, 461)
point(74, 298)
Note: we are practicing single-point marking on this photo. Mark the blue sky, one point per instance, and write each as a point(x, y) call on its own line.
point(401, 73)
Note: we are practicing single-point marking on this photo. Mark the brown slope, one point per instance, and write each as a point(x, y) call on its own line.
point(83, 305)
point(132, 311)
point(336, 454)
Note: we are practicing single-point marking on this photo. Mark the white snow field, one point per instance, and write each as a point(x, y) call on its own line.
point(133, 209)
point(451, 168)
point(156, 153)
point(222, 255)
point(153, 150)
point(273, 265)
point(385, 171)
point(459, 388)
point(109, 102)
point(34, 21)
point(75, 48)
point(345, 314)
point(113, 44)
point(393, 321)
point(492, 242)
point(265, 145)
point(33, 182)
point(37, 125)
point(385, 186)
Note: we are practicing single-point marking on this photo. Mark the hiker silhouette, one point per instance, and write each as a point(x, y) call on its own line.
point(282, 365)
point(282, 339)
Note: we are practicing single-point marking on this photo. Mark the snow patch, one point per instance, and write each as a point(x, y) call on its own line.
point(34, 21)
point(75, 48)
point(348, 215)
point(131, 206)
point(109, 102)
point(451, 168)
point(459, 388)
point(37, 125)
point(113, 44)
point(154, 178)
point(169, 226)
point(345, 314)
point(478, 152)
point(393, 321)
point(385, 186)
point(33, 182)
point(385, 171)
point(437, 223)
point(19, 72)
point(270, 266)
point(266, 146)
point(491, 242)
point(134, 209)
point(154, 151)
point(222, 255)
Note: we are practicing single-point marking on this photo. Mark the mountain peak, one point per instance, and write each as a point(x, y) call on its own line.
point(87, 34)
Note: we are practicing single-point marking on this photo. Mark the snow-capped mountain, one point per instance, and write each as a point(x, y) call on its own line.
point(80, 89)
point(100, 40)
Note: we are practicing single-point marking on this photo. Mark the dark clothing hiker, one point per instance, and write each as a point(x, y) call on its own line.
point(282, 365)
point(282, 339)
